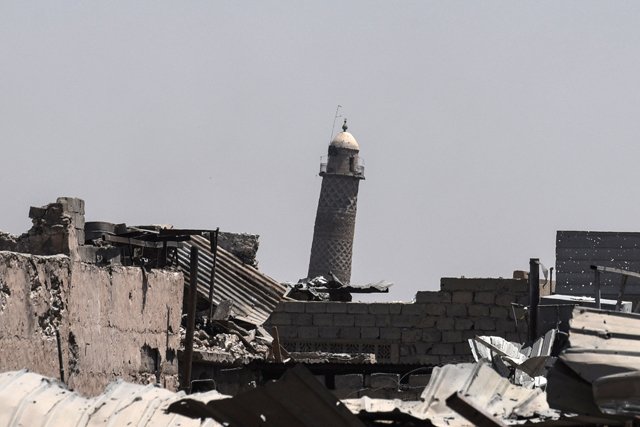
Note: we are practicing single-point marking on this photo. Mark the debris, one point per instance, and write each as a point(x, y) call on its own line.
point(602, 344)
point(296, 399)
point(29, 399)
point(330, 288)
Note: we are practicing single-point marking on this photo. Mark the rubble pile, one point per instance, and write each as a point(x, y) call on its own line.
point(233, 347)
point(330, 288)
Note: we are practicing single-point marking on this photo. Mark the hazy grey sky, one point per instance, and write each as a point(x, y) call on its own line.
point(485, 126)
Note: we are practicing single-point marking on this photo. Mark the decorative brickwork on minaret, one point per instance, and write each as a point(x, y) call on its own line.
point(336, 217)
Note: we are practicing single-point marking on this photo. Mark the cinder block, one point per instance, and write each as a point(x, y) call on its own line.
point(404, 321)
point(442, 349)
point(383, 320)
point(505, 299)
point(278, 319)
point(499, 312)
point(462, 297)
point(485, 324)
point(357, 308)
point(436, 309)
point(321, 379)
point(478, 285)
point(379, 308)
point(411, 335)
point(451, 336)
point(381, 380)
point(456, 310)
point(396, 308)
point(428, 322)
point(445, 324)
point(426, 297)
point(369, 333)
point(349, 381)
point(343, 319)
point(329, 332)
point(414, 309)
point(521, 274)
point(407, 351)
point(505, 326)
point(280, 307)
point(349, 333)
point(308, 332)
point(476, 310)
point(36, 212)
point(301, 319)
point(288, 331)
point(336, 307)
point(484, 297)
point(315, 307)
point(431, 335)
point(390, 333)
point(294, 306)
point(429, 359)
point(464, 324)
point(365, 320)
point(323, 319)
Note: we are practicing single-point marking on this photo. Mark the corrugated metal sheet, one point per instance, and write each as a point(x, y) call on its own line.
point(481, 384)
point(602, 343)
point(576, 251)
point(296, 399)
point(254, 294)
point(28, 399)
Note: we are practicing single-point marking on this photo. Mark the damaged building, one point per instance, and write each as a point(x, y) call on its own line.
point(154, 325)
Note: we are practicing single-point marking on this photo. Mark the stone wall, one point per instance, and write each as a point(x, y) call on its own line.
point(432, 330)
point(57, 228)
point(114, 322)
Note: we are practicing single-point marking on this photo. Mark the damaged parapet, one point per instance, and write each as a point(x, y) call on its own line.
point(330, 288)
point(58, 228)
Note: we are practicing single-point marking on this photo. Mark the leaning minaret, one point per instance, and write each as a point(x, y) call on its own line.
point(336, 217)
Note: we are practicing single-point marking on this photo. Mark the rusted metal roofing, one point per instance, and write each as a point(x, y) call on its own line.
point(28, 399)
point(296, 399)
point(254, 294)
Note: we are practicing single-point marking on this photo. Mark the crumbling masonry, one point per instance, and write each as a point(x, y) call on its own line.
point(113, 321)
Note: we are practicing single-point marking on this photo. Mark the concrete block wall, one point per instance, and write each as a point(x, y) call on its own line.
point(432, 330)
point(115, 322)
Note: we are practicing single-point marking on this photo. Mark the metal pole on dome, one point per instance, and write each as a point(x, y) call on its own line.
point(334, 122)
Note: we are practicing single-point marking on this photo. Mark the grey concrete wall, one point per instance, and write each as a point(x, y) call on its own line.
point(112, 321)
point(433, 330)
point(576, 251)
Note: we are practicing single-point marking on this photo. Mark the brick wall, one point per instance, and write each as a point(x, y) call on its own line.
point(432, 330)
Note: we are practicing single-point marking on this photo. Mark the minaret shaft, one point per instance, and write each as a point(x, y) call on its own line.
point(332, 246)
